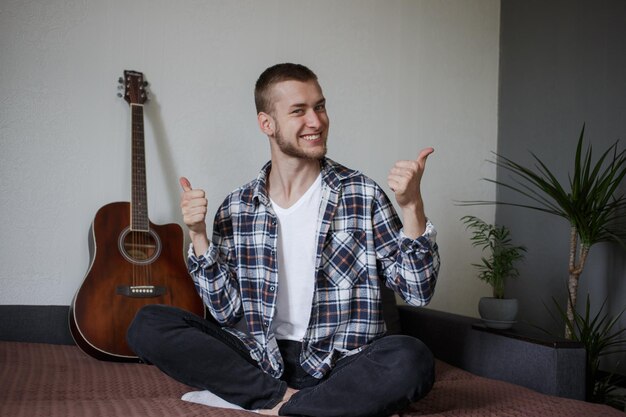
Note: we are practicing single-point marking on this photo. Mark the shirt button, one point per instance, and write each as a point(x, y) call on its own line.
point(272, 288)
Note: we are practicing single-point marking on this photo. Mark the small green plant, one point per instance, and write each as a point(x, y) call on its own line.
point(600, 338)
point(499, 265)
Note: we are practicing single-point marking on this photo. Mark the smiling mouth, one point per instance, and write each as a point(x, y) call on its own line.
point(311, 138)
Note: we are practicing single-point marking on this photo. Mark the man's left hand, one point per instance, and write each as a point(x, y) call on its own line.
point(404, 180)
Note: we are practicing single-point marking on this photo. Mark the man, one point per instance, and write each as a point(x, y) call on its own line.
point(293, 276)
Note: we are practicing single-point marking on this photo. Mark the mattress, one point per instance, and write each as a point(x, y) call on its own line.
point(44, 380)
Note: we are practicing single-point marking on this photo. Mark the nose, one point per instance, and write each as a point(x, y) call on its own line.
point(313, 119)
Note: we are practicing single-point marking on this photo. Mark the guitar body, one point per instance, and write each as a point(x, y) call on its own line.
point(128, 271)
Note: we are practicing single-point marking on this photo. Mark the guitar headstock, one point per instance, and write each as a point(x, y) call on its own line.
point(135, 91)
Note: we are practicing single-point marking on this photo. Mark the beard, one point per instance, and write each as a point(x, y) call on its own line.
point(293, 150)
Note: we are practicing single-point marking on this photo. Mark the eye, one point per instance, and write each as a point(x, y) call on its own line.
point(297, 111)
point(320, 106)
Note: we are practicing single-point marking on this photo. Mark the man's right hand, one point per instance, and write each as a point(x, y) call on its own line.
point(193, 204)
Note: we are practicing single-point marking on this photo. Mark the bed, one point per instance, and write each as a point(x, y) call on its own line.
point(47, 380)
point(479, 372)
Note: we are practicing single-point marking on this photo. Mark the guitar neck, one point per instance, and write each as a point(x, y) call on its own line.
point(139, 199)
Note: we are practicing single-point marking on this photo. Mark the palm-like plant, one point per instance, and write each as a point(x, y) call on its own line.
point(502, 253)
point(600, 337)
point(590, 205)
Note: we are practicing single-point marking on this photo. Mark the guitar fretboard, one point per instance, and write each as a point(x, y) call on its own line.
point(139, 200)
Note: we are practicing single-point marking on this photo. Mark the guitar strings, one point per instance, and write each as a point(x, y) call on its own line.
point(142, 243)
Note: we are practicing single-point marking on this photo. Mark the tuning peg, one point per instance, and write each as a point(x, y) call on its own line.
point(120, 80)
point(120, 95)
point(145, 83)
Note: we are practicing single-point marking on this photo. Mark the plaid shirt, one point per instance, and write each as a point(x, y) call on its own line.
point(360, 245)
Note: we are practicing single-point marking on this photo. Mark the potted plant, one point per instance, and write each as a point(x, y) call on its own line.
point(600, 336)
point(590, 203)
point(495, 269)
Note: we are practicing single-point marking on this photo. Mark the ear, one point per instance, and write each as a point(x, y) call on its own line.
point(266, 123)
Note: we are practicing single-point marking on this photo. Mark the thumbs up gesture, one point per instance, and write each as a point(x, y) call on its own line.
point(405, 177)
point(404, 180)
point(193, 204)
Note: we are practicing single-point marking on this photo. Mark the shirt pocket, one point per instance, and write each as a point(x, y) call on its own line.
point(344, 258)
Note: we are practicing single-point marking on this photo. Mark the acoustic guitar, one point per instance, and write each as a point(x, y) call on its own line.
point(133, 261)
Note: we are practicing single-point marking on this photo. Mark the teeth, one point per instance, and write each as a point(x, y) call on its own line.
point(311, 137)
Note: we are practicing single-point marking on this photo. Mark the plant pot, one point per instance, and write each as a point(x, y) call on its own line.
point(498, 313)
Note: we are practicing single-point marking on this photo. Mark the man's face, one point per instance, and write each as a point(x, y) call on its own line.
point(301, 122)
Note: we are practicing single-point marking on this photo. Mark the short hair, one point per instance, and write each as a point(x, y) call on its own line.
point(273, 75)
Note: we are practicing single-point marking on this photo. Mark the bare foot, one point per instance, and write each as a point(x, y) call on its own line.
point(274, 411)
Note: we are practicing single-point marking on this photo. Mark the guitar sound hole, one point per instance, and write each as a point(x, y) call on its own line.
point(140, 247)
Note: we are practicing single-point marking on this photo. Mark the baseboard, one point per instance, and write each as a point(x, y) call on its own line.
point(36, 324)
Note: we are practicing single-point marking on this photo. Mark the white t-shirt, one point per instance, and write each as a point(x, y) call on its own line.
point(297, 240)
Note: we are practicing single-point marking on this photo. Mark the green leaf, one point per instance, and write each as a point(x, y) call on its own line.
point(591, 204)
point(501, 253)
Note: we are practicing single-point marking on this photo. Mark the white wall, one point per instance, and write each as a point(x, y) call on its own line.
point(398, 76)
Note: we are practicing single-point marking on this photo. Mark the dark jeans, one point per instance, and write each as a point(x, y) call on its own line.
point(382, 379)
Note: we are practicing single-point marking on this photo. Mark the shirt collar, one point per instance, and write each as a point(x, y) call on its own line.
point(332, 174)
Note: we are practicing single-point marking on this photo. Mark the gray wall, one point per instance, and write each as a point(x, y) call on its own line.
point(399, 75)
point(562, 64)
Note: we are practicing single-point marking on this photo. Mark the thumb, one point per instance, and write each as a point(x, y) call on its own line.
point(184, 182)
point(424, 155)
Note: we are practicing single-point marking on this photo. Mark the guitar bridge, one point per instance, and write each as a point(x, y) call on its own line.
point(140, 291)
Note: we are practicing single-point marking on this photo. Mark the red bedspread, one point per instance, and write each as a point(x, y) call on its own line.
point(40, 380)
